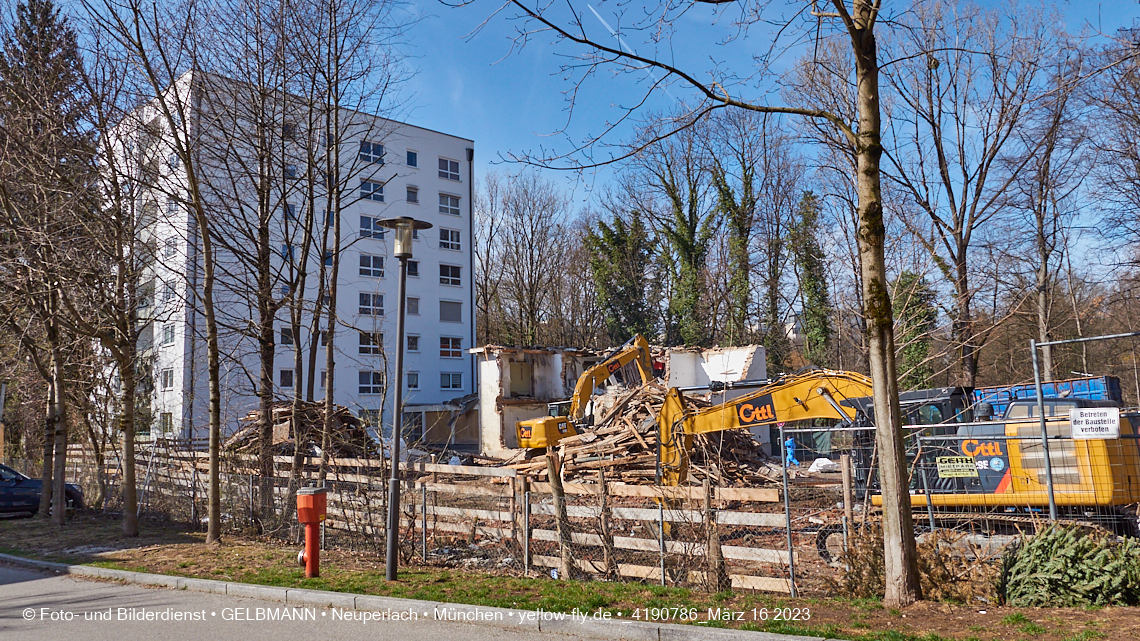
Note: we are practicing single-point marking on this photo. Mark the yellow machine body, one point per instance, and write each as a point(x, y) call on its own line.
point(1086, 473)
point(798, 397)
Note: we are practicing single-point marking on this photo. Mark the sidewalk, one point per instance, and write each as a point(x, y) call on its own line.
point(475, 615)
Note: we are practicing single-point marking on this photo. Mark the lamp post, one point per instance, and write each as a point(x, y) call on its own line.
point(403, 228)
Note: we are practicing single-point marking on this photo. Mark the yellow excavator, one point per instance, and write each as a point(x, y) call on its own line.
point(812, 394)
point(565, 417)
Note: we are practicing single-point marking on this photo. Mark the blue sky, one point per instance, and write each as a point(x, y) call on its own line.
point(511, 100)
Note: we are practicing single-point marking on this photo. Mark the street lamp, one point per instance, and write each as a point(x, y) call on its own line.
point(404, 228)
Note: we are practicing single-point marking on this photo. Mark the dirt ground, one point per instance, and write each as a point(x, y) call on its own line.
point(168, 549)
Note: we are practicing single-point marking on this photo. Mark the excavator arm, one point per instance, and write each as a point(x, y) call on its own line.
point(797, 397)
point(548, 430)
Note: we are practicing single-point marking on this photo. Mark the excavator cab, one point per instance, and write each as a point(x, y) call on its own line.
point(538, 432)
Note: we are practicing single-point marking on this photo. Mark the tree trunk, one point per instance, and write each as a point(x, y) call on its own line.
point(127, 428)
point(899, 550)
point(59, 492)
point(49, 454)
point(964, 324)
point(1043, 320)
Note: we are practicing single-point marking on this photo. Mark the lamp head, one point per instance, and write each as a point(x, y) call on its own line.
point(403, 228)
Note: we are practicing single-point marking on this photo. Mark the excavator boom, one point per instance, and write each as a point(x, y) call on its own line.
point(548, 430)
point(796, 397)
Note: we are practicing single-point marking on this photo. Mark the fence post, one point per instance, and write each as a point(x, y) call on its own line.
point(788, 521)
point(526, 527)
point(661, 534)
point(848, 490)
point(607, 532)
point(553, 467)
point(194, 494)
point(717, 577)
point(513, 507)
point(424, 517)
point(251, 499)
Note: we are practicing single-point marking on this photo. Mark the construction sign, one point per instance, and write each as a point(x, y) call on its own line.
point(956, 467)
point(1095, 422)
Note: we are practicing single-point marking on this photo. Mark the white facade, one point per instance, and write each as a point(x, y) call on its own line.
point(388, 169)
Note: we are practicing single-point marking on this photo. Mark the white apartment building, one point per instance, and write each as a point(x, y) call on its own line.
point(387, 169)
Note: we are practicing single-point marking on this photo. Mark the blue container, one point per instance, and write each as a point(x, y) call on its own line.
point(1101, 388)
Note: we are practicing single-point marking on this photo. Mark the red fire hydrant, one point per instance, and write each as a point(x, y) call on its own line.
point(312, 503)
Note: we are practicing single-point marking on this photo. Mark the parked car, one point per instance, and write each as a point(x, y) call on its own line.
point(19, 494)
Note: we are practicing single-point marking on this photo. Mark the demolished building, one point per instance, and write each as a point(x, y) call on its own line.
point(517, 383)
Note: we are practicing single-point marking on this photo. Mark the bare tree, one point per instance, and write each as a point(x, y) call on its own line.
point(723, 90)
point(966, 81)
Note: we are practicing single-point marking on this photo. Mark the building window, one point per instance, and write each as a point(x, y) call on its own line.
point(371, 343)
point(287, 337)
point(413, 380)
point(324, 375)
point(166, 422)
point(287, 251)
point(329, 218)
point(371, 265)
point(450, 347)
point(290, 211)
point(172, 206)
point(328, 257)
point(167, 379)
point(449, 204)
point(448, 238)
point(372, 152)
point(413, 343)
point(168, 334)
point(286, 378)
point(324, 338)
point(370, 228)
point(289, 130)
point(413, 308)
point(291, 172)
point(371, 304)
point(371, 382)
point(450, 311)
point(146, 295)
point(413, 195)
point(414, 268)
point(167, 292)
point(170, 248)
point(448, 169)
point(413, 159)
point(449, 275)
point(451, 380)
point(372, 190)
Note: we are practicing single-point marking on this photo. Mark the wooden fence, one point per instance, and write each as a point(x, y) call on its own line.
point(616, 530)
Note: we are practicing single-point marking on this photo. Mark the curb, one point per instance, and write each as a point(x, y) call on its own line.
point(473, 614)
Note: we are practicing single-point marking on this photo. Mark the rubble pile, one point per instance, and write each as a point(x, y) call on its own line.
point(623, 443)
point(349, 437)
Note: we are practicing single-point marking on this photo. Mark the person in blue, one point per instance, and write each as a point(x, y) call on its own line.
point(790, 446)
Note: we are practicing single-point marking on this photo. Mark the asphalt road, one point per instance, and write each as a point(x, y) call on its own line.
point(35, 606)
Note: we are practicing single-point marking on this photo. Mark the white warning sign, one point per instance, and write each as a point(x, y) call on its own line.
point(1095, 422)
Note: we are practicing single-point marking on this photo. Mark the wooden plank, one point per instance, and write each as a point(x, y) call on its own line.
point(466, 513)
point(451, 488)
point(657, 491)
point(568, 488)
point(464, 470)
point(764, 583)
point(738, 553)
point(757, 494)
